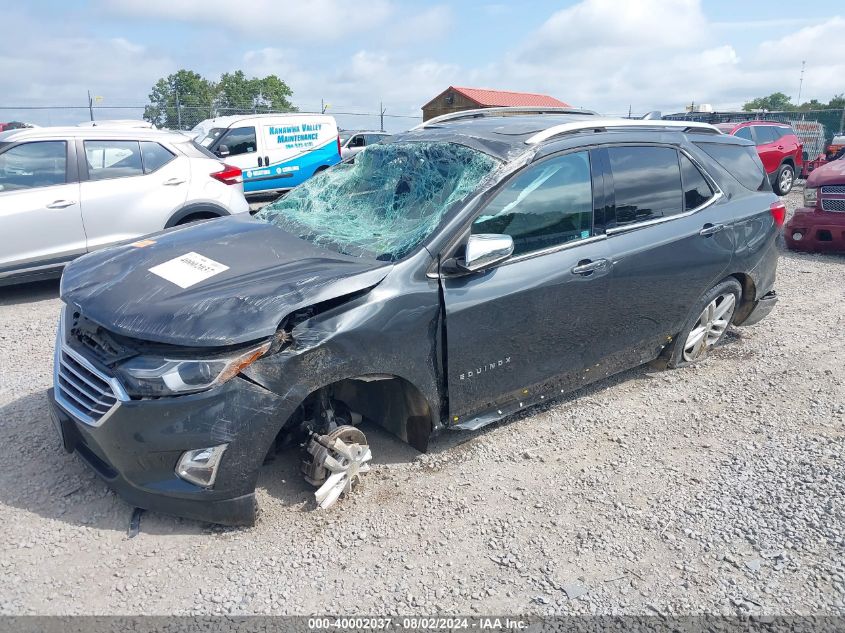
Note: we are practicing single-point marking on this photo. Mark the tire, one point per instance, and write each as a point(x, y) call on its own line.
point(196, 217)
point(713, 315)
point(784, 179)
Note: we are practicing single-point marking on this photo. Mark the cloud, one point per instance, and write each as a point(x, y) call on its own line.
point(431, 24)
point(608, 55)
point(288, 21)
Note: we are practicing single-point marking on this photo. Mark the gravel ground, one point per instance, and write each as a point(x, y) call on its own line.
point(714, 489)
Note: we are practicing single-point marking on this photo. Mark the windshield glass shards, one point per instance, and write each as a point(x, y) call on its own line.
point(384, 203)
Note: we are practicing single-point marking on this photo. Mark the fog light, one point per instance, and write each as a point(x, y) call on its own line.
point(798, 236)
point(200, 466)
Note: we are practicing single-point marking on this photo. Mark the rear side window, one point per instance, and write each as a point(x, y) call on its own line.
point(766, 134)
point(697, 191)
point(113, 159)
point(155, 156)
point(548, 204)
point(30, 165)
point(646, 183)
point(740, 161)
point(744, 132)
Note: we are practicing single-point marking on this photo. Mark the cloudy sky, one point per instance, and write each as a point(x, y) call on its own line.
point(606, 55)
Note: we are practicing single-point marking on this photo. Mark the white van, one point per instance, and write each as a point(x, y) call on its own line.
point(275, 151)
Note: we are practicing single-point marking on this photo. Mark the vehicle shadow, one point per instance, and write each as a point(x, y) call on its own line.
point(29, 292)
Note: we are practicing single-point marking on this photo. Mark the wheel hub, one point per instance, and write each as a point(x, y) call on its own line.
point(339, 460)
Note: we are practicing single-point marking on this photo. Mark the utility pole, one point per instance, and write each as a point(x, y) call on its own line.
point(382, 110)
point(178, 111)
point(90, 105)
point(801, 82)
point(629, 110)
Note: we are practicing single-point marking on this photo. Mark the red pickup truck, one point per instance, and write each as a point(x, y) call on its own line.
point(820, 224)
point(779, 148)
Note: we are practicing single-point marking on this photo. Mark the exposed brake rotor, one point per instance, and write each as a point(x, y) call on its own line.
point(338, 459)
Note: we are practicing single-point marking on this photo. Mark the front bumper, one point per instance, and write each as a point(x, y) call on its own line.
point(821, 231)
point(135, 450)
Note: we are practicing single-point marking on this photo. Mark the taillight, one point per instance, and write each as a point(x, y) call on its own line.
point(229, 175)
point(778, 211)
point(338, 145)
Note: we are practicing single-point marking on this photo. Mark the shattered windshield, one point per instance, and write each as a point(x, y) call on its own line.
point(384, 203)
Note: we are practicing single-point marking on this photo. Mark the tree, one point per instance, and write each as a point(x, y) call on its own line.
point(775, 102)
point(182, 99)
point(269, 93)
point(184, 88)
point(838, 101)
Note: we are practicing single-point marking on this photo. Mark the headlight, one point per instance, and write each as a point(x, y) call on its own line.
point(156, 376)
point(811, 195)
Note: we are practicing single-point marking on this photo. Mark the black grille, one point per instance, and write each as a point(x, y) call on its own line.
point(87, 391)
point(833, 205)
point(833, 189)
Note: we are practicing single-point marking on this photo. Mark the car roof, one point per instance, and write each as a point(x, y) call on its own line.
point(503, 133)
point(229, 120)
point(104, 132)
point(731, 125)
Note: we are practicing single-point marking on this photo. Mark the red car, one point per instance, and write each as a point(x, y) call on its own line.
point(820, 224)
point(778, 146)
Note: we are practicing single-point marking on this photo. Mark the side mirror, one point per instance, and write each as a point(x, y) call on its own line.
point(222, 151)
point(485, 250)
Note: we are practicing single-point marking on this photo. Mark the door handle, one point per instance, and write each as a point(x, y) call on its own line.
point(711, 229)
point(61, 204)
point(173, 181)
point(588, 267)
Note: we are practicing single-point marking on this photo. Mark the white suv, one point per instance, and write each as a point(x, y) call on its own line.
point(67, 191)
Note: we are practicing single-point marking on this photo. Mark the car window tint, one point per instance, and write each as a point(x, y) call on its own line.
point(741, 162)
point(646, 182)
point(357, 141)
point(546, 205)
point(696, 189)
point(39, 164)
point(239, 140)
point(766, 134)
point(154, 155)
point(113, 159)
point(744, 132)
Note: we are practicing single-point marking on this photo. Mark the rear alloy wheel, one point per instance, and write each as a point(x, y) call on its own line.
point(784, 180)
point(710, 327)
point(706, 326)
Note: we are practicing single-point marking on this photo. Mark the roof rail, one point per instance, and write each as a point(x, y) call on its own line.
point(595, 124)
point(510, 110)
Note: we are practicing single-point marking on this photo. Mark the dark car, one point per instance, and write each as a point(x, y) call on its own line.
point(779, 148)
point(474, 266)
point(820, 224)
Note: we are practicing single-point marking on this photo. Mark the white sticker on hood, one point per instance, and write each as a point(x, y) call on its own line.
point(188, 269)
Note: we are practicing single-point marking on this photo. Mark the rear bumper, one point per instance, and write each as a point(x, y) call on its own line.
point(813, 230)
point(762, 309)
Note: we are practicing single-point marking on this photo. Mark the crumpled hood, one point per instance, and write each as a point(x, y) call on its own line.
point(270, 274)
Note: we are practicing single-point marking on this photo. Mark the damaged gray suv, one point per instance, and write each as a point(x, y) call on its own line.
point(481, 263)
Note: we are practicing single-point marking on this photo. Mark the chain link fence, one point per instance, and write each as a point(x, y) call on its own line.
point(186, 117)
point(815, 128)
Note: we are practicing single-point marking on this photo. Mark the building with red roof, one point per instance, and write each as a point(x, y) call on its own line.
point(456, 98)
